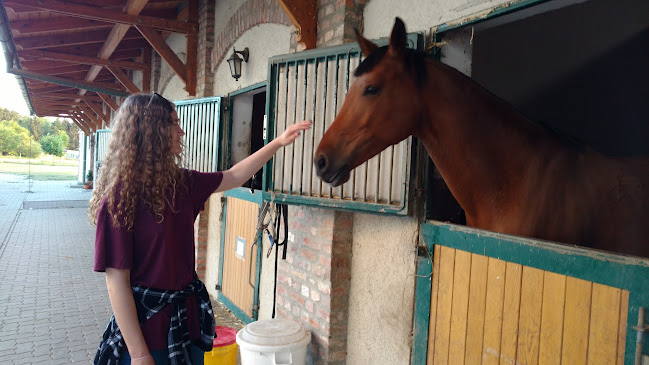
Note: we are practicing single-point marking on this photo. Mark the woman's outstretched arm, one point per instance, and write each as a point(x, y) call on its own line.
point(242, 171)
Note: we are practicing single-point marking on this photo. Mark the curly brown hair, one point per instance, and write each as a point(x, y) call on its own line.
point(139, 166)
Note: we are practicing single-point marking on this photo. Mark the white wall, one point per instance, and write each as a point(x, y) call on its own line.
point(420, 15)
point(263, 41)
point(175, 88)
point(381, 301)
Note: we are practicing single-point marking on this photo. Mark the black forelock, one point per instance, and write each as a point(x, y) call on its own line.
point(414, 61)
point(371, 61)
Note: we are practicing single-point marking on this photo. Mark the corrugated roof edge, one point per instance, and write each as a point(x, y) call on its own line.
point(9, 50)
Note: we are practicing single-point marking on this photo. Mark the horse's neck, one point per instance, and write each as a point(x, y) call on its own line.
point(479, 143)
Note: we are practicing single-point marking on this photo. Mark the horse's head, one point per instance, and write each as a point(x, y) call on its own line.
point(380, 108)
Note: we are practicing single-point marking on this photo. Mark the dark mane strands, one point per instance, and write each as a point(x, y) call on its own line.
point(414, 60)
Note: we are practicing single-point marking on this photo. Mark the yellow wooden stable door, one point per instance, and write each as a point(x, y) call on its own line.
point(240, 254)
point(488, 311)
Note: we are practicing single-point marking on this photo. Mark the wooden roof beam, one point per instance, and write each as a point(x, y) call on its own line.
point(67, 23)
point(69, 39)
point(88, 114)
point(170, 57)
point(68, 96)
point(81, 126)
point(91, 12)
point(123, 78)
point(97, 109)
point(109, 101)
point(75, 114)
point(132, 8)
point(65, 57)
point(304, 16)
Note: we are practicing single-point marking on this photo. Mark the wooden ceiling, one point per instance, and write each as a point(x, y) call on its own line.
point(77, 55)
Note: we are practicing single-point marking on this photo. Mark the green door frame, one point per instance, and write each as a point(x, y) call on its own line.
point(243, 194)
point(619, 271)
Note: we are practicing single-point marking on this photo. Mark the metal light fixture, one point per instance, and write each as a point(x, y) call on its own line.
point(235, 62)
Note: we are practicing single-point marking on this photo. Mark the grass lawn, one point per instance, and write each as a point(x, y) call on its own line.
point(41, 169)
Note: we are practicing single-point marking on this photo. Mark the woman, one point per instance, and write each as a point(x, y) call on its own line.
point(144, 207)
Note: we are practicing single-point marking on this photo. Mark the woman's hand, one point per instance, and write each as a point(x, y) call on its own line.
point(292, 132)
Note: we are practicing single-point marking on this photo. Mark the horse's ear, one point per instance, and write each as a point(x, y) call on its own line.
point(398, 38)
point(367, 47)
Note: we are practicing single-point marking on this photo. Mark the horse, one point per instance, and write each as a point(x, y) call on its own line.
point(509, 174)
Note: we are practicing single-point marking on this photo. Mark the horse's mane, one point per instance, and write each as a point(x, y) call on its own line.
point(415, 62)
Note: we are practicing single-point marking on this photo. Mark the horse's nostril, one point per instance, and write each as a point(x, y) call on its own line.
point(321, 163)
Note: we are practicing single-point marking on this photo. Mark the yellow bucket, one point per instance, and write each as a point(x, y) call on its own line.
point(225, 348)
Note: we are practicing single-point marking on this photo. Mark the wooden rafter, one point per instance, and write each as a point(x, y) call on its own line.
point(69, 39)
point(58, 56)
point(124, 79)
point(109, 101)
point(24, 27)
point(91, 12)
point(97, 109)
point(90, 114)
point(168, 55)
point(304, 16)
point(81, 126)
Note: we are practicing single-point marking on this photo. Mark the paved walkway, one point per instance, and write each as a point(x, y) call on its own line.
point(53, 307)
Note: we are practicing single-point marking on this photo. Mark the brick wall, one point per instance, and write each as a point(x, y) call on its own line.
point(337, 20)
point(205, 75)
point(200, 241)
point(313, 282)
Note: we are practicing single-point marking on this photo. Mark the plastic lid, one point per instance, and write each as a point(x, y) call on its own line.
point(225, 336)
point(273, 332)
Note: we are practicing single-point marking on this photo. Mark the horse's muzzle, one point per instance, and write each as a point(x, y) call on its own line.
point(328, 173)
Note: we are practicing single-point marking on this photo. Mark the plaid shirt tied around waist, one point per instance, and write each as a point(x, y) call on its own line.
point(148, 302)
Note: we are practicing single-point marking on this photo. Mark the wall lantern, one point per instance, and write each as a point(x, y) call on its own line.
point(235, 62)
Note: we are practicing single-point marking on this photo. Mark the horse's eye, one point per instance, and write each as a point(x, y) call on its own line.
point(371, 90)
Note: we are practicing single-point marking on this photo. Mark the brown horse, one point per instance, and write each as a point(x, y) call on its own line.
point(509, 175)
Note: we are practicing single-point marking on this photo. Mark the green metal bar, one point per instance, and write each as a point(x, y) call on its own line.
point(292, 175)
point(314, 105)
point(314, 201)
point(496, 12)
point(244, 194)
point(324, 108)
point(423, 287)
point(67, 82)
point(305, 85)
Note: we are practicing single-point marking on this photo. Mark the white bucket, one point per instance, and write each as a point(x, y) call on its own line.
point(273, 342)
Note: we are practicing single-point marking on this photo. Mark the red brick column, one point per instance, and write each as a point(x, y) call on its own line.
point(313, 282)
point(205, 75)
point(337, 20)
point(200, 241)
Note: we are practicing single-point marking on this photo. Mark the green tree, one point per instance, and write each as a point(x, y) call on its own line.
point(65, 139)
point(29, 148)
point(53, 145)
point(6, 114)
point(11, 136)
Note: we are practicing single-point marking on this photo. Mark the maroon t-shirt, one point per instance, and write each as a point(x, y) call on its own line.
point(159, 255)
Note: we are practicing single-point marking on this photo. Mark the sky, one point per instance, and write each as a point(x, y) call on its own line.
point(11, 96)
